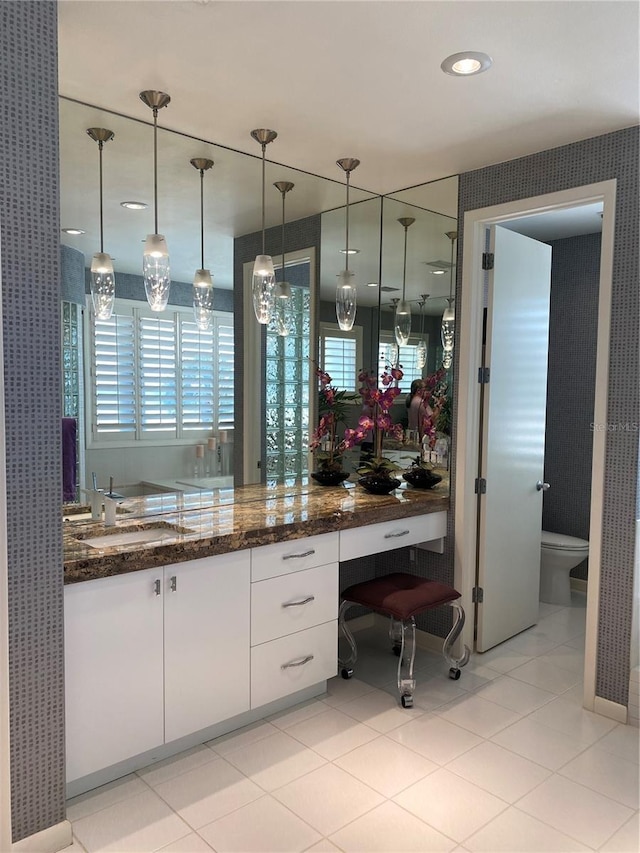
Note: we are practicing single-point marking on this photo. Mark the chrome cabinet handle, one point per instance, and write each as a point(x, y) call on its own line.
point(173, 583)
point(298, 556)
point(542, 487)
point(299, 603)
point(395, 535)
point(157, 587)
point(300, 662)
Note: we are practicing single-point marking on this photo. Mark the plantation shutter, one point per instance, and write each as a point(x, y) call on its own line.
point(114, 375)
point(157, 375)
point(224, 381)
point(197, 379)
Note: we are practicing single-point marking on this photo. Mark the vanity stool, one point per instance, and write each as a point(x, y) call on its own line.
point(402, 597)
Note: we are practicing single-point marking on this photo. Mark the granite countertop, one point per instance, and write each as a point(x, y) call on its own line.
point(204, 523)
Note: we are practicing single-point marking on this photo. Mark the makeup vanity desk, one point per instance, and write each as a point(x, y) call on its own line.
point(201, 612)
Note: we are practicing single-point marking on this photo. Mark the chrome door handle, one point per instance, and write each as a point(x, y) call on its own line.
point(299, 603)
point(174, 583)
point(298, 556)
point(157, 587)
point(395, 535)
point(300, 662)
point(542, 487)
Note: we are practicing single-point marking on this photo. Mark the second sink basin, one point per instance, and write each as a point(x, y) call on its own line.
point(147, 534)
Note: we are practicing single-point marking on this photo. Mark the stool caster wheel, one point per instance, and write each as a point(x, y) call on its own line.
point(346, 673)
point(454, 673)
point(407, 700)
point(397, 650)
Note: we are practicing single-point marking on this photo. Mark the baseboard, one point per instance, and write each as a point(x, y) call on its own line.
point(578, 584)
point(48, 840)
point(612, 710)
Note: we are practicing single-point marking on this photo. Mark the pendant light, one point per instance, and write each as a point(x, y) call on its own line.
point(449, 316)
point(283, 298)
point(421, 348)
point(103, 280)
point(202, 281)
point(392, 350)
point(264, 278)
point(346, 294)
point(402, 325)
point(155, 258)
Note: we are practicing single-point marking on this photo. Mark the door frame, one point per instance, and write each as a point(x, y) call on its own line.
point(469, 346)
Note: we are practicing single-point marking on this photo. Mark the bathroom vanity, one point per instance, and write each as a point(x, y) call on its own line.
point(211, 610)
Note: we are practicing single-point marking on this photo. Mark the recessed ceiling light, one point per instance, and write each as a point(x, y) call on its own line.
point(134, 205)
point(350, 252)
point(73, 231)
point(466, 63)
point(372, 284)
point(438, 272)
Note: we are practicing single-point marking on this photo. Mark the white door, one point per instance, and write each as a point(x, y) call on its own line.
point(206, 642)
point(513, 436)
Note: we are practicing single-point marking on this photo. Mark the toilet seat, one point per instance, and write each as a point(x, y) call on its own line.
point(562, 542)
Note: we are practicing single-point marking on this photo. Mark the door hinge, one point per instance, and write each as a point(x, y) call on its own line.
point(483, 375)
point(480, 486)
point(258, 464)
point(477, 595)
point(487, 260)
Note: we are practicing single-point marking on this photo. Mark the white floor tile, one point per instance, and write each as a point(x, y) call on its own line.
point(606, 773)
point(104, 796)
point(341, 690)
point(389, 829)
point(546, 609)
point(433, 691)
point(75, 847)
point(386, 766)
point(264, 826)
point(478, 715)
point(139, 824)
point(208, 792)
point(159, 772)
point(545, 746)
point(576, 642)
point(435, 738)
point(532, 643)
point(332, 733)
point(450, 804)
point(503, 658)
point(566, 658)
point(275, 760)
point(575, 810)
point(568, 717)
point(545, 675)
point(515, 695)
point(380, 710)
point(626, 839)
point(499, 771)
point(241, 737)
point(324, 846)
point(191, 843)
point(514, 831)
point(623, 741)
point(304, 711)
point(328, 798)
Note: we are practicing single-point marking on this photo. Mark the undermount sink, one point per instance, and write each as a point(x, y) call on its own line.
point(155, 533)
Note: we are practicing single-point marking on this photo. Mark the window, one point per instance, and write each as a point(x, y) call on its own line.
point(407, 359)
point(157, 376)
point(341, 355)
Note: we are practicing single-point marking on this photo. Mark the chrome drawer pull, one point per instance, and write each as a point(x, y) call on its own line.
point(299, 603)
point(300, 662)
point(395, 535)
point(174, 583)
point(157, 587)
point(299, 556)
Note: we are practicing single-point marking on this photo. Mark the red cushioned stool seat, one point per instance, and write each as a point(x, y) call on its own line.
point(402, 597)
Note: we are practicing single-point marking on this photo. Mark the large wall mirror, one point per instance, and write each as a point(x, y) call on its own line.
point(134, 440)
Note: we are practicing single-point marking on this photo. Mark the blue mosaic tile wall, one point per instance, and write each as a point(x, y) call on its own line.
point(31, 295)
point(613, 155)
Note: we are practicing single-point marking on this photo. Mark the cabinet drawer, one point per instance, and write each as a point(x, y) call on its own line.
point(295, 555)
point(387, 535)
point(274, 672)
point(290, 603)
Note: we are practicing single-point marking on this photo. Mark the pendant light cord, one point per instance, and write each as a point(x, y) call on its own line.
point(202, 219)
point(100, 145)
point(155, 168)
point(347, 229)
point(451, 273)
point(264, 148)
point(404, 266)
point(283, 275)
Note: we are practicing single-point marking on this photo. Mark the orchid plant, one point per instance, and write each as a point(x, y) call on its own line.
point(332, 408)
point(376, 419)
point(435, 395)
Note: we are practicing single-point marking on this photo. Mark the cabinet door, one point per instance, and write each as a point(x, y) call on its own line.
point(113, 670)
point(206, 642)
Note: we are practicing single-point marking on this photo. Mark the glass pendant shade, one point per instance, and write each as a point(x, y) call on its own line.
point(203, 300)
point(283, 309)
point(263, 288)
point(402, 324)
point(421, 354)
point(103, 285)
point(346, 297)
point(446, 334)
point(156, 271)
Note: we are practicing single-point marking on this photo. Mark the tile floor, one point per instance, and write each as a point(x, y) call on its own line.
point(505, 759)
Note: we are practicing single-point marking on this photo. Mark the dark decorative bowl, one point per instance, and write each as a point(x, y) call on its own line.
point(330, 478)
point(421, 478)
point(378, 485)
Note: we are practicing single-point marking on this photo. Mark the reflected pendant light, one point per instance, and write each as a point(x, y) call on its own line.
point(449, 317)
point(264, 279)
point(421, 348)
point(202, 281)
point(392, 350)
point(155, 258)
point(103, 280)
point(283, 309)
point(346, 294)
point(402, 324)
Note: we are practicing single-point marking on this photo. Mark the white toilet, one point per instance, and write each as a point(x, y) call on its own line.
point(558, 555)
